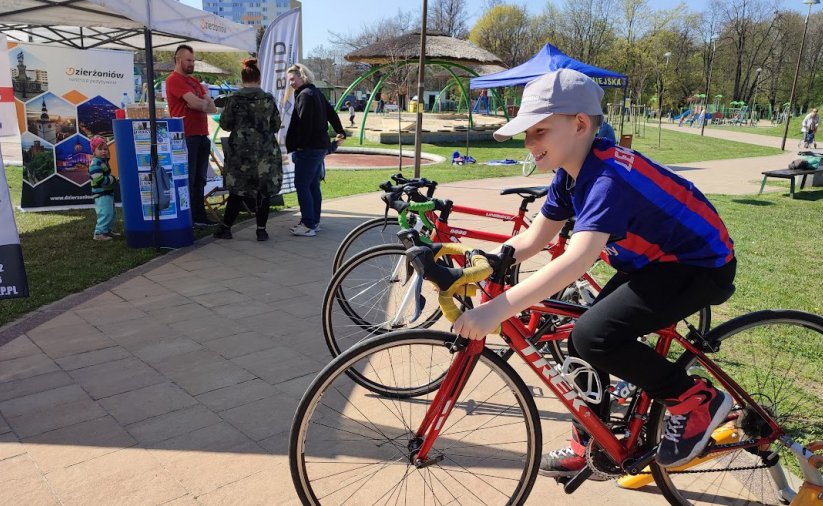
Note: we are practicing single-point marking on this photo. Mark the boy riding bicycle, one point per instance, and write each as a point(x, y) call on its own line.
point(672, 252)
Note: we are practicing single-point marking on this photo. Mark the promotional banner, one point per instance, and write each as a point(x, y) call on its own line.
point(279, 49)
point(13, 281)
point(63, 98)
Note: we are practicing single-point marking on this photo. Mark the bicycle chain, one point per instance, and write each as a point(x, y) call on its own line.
point(739, 468)
point(691, 471)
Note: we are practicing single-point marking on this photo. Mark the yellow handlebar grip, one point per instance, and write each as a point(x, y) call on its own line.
point(479, 270)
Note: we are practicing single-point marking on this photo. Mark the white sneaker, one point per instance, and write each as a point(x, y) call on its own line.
point(316, 229)
point(303, 231)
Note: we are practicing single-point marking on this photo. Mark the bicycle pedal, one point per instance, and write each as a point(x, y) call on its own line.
point(711, 444)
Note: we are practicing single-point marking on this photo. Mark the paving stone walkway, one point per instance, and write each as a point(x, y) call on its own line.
point(176, 382)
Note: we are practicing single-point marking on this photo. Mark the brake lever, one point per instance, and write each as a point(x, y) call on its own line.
point(419, 300)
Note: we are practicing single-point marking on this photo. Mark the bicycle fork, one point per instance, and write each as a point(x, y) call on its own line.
point(467, 354)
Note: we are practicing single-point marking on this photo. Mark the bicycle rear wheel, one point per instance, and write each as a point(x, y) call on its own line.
point(349, 445)
point(367, 296)
point(368, 234)
point(776, 357)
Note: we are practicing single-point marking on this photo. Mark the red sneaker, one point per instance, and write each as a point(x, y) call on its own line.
point(693, 416)
point(562, 462)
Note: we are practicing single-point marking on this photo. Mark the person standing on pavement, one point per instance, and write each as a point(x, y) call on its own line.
point(190, 100)
point(809, 128)
point(254, 166)
point(307, 140)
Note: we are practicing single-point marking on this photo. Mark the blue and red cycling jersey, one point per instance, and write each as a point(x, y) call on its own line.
point(650, 213)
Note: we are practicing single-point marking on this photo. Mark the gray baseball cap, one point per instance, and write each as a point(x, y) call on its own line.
point(564, 91)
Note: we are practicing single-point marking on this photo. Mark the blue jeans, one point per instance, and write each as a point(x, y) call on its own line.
point(307, 167)
point(104, 206)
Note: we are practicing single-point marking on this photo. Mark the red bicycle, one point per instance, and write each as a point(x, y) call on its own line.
point(372, 292)
point(477, 437)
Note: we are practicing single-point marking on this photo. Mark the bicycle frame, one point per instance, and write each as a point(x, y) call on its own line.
point(443, 232)
point(623, 452)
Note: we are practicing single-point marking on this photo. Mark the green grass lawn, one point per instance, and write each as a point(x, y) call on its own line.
point(62, 259)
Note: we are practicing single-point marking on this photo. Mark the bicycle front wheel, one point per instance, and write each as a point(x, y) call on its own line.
point(776, 357)
point(370, 295)
point(349, 445)
point(368, 234)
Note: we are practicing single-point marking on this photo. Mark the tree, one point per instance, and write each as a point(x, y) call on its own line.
point(448, 17)
point(505, 31)
point(585, 27)
point(812, 56)
point(323, 62)
point(749, 28)
point(230, 62)
point(383, 29)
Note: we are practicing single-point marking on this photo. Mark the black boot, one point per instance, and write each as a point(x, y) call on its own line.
point(262, 235)
point(223, 232)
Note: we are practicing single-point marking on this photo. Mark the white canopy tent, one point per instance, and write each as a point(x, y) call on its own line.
point(121, 24)
point(124, 24)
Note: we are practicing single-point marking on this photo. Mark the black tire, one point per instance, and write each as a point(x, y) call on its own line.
point(358, 295)
point(348, 444)
point(776, 357)
point(373, 232)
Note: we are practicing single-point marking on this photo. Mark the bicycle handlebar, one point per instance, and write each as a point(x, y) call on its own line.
point(416, 204)
point(453, 280)
point(409, 186)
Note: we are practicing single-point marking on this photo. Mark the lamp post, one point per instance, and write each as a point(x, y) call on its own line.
point(797, 70)
point(708, 82)
point(754, 99)
point(666, 55)
point(421, 74)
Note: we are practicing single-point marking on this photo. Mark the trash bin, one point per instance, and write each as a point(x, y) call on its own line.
point(412, 105)
point(626, 141)
point(172, 228)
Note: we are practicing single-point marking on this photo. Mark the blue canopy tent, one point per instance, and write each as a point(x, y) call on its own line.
point(547, 59)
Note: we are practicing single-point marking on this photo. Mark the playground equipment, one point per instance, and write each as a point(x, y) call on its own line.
point(636, 117)
point(781, 116)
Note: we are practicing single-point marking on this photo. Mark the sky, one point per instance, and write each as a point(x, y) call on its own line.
point(323, 16)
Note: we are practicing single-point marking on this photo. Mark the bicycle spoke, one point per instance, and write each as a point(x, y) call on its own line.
point(775, 357)
point(358, 444)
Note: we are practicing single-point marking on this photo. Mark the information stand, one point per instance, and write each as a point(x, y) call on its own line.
point(143, 229)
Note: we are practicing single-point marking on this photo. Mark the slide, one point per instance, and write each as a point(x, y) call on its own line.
point(683, 114)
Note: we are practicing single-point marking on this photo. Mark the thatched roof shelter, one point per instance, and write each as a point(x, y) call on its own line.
point(438, 47)
point(200, 67)
point(484, 70)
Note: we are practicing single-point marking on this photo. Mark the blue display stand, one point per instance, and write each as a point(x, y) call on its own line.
point(142, 229)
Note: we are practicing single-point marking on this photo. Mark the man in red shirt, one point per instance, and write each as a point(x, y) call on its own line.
point(190, 100)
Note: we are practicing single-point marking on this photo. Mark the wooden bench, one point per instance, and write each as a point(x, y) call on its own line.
point(789, 174)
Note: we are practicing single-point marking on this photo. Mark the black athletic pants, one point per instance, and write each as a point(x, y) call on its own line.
point(199, 147)
point(638, 303)
point(260, 204)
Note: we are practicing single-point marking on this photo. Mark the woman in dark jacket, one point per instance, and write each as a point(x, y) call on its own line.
point(307, 140)
point(253, 165)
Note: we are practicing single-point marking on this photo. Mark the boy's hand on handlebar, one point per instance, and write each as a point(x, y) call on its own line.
point(477, 323)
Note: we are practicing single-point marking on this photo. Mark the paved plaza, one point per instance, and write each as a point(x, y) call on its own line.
point(176, 382)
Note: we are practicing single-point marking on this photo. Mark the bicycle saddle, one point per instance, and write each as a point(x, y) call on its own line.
point(534, 192)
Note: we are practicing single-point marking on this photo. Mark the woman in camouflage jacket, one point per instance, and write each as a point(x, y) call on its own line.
point(253, 164)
